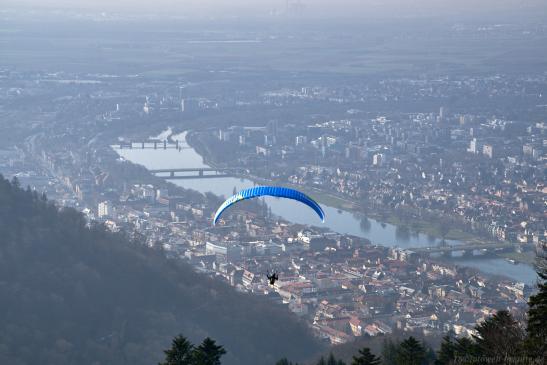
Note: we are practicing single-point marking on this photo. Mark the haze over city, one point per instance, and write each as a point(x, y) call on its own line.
point(273, 182)
point(310, 8)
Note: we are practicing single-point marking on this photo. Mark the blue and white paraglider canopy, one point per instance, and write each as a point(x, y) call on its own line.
point(275, 191)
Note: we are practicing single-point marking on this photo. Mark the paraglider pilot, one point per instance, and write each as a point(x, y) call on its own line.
point(272, 278)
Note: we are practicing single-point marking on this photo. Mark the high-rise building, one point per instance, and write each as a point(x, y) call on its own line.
point(472, 146)
point(103, 210)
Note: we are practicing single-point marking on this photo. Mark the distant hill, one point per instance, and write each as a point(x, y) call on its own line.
point(71, 294)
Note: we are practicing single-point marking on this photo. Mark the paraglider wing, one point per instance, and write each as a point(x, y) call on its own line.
point(270, 191)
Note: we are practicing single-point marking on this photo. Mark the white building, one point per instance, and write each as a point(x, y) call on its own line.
point(231, 251)
point(472, 146)
point(103, 210)
point(377, 159)
point(300, 140)
point(488, 150)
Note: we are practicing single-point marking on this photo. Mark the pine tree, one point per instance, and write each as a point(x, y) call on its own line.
point(411, 352)
point(536, 343)
point(366, 358)
point(445, 356)
point(464, 346)
point(321, 361)
point(208, 353)
point(180, 352)
point(499, 336)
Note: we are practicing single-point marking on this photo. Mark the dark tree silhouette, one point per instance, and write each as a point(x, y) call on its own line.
point(465, 346)
point(445, 355)
point(75, 295)
point(536, 342)
point(208, 353)
point(180, 353)
point(366, 357)
point(499, 336)
point(411, 352)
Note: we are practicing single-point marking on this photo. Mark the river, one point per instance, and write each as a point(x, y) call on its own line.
point(336, 220)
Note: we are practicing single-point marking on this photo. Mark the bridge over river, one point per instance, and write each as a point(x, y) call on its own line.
point(196, 172)
point(151, 144)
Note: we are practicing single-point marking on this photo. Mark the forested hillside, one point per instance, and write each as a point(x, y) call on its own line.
point(73, 294)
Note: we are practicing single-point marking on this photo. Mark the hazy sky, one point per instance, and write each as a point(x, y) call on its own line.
point(311, 7)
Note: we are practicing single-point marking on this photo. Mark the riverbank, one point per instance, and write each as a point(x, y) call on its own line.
point(412, 225)
point(344, 221)
point(526, 257)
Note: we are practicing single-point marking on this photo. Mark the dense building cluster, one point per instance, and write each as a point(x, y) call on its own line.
point(488, 173)
point(344, 286)
point(485, 172)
